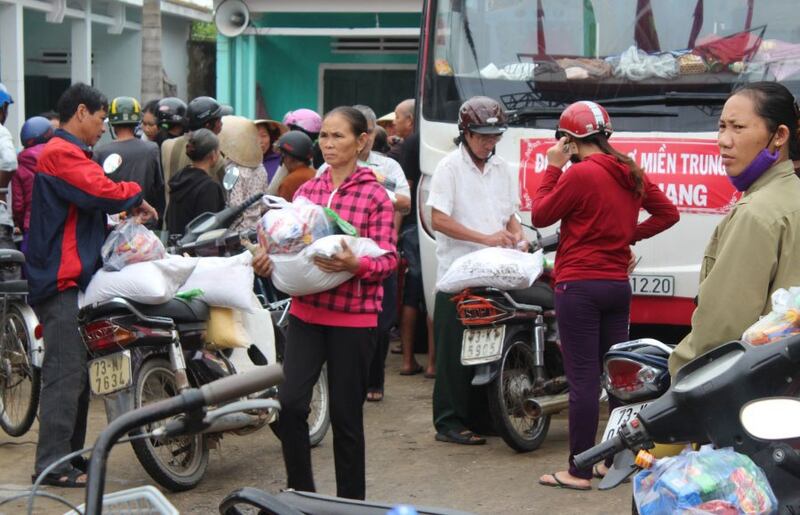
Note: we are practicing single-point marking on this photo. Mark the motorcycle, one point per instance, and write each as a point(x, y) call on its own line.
point(703, 403)
point(511, 338)
point(21, 349)
point(634, 374)
point(144, 353)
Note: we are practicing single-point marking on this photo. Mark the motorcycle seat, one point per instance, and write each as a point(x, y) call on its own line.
point(179, 310)
point(9, 256)
point(540, 294)
point(18, 287)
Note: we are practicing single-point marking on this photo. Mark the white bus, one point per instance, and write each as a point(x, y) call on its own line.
point(662, 69)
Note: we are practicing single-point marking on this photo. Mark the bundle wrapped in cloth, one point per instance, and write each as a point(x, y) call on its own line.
point(296, 274)
point(505, 269)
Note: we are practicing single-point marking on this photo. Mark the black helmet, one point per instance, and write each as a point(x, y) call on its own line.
point(204, 109)
point(297, 144)
point(171, 111)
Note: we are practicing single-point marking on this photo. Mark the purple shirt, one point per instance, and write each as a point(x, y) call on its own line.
point(272, 161)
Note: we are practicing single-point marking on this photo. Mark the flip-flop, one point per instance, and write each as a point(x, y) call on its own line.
point(414, 371)
point(374, 396)
point(597, 474)
point(63, 480)
point(560, 484)
point(396, 349)
point(465, 437)
point(428, 375)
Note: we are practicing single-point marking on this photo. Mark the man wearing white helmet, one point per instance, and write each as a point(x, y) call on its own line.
point(8, 157)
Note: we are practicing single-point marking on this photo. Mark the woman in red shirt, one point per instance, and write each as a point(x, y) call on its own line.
point(597, 201)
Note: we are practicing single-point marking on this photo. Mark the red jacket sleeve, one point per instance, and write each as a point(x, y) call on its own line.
point(556, 197)
point(83, 182)
point(663, 213)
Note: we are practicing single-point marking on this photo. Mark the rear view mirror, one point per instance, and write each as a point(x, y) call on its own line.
point(774, 418)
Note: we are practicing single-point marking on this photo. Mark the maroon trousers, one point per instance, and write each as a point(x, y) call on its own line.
point(592, 316)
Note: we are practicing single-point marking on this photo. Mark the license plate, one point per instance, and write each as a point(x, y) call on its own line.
point(110, 373)
point(619, 417)
point(655, 285)
point(482, 345)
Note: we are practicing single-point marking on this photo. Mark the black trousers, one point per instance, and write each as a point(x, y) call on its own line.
point(64, 401)
point(386, 320)
point(347, 351)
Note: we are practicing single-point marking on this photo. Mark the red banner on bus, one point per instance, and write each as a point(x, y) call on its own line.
point(688, 171)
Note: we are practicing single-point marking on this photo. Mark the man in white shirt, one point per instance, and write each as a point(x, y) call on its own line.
point(474, 196)
point(8, 155)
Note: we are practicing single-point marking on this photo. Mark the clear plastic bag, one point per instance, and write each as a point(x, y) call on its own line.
point(506, 269)
point(704, 482)
point(289, 227)
point(783, 321)
point(131, 242)
point(636, 65)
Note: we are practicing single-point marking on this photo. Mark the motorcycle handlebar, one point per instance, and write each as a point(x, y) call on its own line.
point(599, 452)
point(241, 385)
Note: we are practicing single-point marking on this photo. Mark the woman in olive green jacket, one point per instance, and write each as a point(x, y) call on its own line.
point(756, 248)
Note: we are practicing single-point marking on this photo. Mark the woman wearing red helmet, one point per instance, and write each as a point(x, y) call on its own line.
point(597, 201)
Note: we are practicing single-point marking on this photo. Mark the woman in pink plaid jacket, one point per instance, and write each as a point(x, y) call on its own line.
point(337, 326)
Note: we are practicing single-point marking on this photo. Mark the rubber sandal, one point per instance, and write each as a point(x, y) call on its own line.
point(396, 349)
point(560, 484)
point(465, 437)
point(374, 395)
point(414, 371)
point(63, 480)
point(428, 375)
point(596, 474)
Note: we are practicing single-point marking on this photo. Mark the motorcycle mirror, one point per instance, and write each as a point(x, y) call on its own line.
point(774, 418)
point(231, 178)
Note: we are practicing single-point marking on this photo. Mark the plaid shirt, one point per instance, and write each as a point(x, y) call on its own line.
point(363, 202)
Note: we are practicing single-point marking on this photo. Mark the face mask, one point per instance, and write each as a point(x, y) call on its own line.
point(762, 162)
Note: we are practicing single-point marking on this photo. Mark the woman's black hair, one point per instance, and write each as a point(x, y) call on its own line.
point(356, 120)
point(381, 144)
point(77, 94)
point(151, 107)
point(201, 143)
point(776, 105)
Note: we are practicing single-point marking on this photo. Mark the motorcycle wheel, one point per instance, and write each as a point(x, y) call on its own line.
point(319, 416)
point(20, 381)
point(506, 394)
point(177, 464)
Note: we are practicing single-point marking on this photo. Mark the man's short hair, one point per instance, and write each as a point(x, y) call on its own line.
point(50, 115)
point(77, 94)
point(368, 113)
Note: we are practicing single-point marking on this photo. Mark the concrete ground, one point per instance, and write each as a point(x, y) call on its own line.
point(404, 465)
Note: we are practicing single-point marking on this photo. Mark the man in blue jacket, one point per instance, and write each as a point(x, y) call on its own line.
point(71, 197)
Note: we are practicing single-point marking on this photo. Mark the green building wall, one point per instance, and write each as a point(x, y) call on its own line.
point(287, 68)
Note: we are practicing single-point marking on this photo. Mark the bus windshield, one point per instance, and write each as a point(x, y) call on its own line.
point(656, 66)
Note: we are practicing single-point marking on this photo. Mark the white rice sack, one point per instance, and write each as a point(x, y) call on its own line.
point(226, 281)
point(151, 282)
point(505, 269)
point(297, 275)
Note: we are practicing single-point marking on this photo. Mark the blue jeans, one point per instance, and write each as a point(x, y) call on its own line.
point(592, 316)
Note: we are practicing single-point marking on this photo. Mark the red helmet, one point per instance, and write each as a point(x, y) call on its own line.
point(583, 119)
point(482, 115)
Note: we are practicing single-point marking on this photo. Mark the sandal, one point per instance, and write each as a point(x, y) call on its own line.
point(375, 395)
point(596, 472)
point(396, 349)
point(63, 480)
point(414, 371)
point(464, 437)
point(557, 483)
